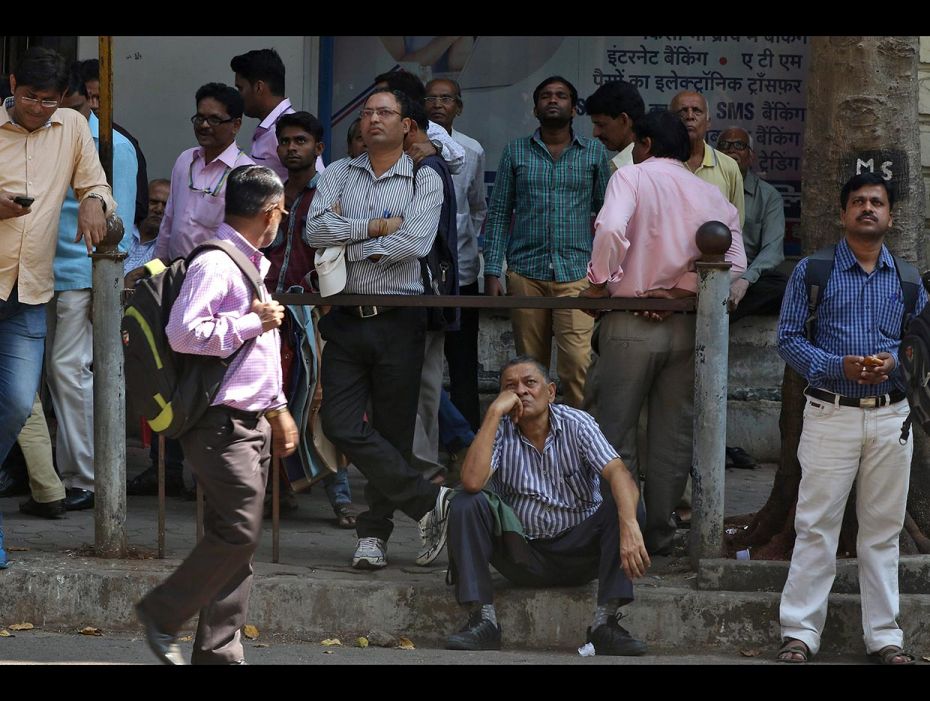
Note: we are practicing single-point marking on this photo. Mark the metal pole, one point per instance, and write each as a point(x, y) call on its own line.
point(711, 345)
point(109, 384)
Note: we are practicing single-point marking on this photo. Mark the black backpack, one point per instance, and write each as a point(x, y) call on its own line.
point(914, 334)
point(439, 267)
point(172, 390)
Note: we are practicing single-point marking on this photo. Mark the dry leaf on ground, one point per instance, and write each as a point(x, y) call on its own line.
point(361, 642)
point(331, 642)
point(17, 549)
point(750, 653)
point(22, 626)
point(261, 645)
point(250, 631)
point(4, 633)
point(186, 638)
point(90, 630)
point(327, 652)
point(405, 644)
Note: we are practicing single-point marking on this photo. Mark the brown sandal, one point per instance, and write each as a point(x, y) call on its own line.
point(344, 517)
point(791, 647)
point(888, 654)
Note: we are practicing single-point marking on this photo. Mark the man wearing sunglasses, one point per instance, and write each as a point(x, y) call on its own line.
point(43, 151)
point(760, 289)
point(198, 180)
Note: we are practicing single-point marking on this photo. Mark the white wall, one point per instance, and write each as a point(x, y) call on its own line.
point(155, 79)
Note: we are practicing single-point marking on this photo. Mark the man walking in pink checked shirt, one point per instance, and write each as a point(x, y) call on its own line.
point(229, 449)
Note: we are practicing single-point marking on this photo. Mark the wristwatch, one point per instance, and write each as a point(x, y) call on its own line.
point(103, 202)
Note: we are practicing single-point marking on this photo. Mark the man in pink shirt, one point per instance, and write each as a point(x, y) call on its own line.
point(198, 180)
point(260, 80)
point(644, 247)
point(229, 449)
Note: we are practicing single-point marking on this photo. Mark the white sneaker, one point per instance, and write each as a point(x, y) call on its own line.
point(434, 527)
point(370, 554)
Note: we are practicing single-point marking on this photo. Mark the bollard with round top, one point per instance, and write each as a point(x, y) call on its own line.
point(115, 232)
point(713, 239)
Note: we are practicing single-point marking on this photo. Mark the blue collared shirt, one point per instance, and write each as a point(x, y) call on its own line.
point(559, 488)
point(859, 314)
point(72, 265)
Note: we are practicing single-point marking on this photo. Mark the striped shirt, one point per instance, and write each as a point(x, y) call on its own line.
point(550, 203)
point(362, 196)
point(859, 314)
point(558, 489)
point(211, 316)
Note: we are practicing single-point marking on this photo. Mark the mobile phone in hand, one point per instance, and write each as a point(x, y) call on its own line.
point(24, 201)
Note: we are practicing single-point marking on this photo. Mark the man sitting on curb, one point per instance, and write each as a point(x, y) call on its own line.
point(545, 523)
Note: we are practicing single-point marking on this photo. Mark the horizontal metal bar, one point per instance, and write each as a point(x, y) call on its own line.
point(686, 304)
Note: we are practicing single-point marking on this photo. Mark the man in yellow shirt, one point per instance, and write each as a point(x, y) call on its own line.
point(38, 142)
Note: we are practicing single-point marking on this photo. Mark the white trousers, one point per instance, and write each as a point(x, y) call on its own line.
point(841, 445)
point(69, 355)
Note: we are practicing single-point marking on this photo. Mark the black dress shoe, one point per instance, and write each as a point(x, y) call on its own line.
point(146, 483)
point(51, 509)
point(739, 458)
point(164, 646)
point(477, 634)
point(613, 639)
point(79, 499)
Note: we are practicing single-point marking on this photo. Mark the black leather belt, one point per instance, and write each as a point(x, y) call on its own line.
point(859, 402)
point(239, 413)
point(366, 311)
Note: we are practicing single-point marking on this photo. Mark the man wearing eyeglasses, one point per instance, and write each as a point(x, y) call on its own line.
point(198, 180)
point(706, 162)
point(760, 289)
point(43, 151)
point(443, 106)
point(387, 217)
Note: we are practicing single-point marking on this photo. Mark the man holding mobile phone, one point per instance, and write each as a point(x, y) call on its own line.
point(36, 138)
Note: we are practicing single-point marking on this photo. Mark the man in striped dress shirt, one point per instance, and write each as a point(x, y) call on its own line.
point(852, 427)
point(386, 216)
point(545, 464)
point(229, 449)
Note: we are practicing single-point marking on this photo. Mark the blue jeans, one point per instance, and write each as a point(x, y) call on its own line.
point(22, 345)
point(454, 430)
point(337, 487)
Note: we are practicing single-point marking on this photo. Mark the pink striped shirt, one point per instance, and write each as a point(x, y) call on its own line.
point(644, 233)
point(212, 316)
point(192, 214)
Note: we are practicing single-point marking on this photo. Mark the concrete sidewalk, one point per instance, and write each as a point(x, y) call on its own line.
point(314, 594)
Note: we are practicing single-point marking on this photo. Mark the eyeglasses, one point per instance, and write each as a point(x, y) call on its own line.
point(734, 145)
point(47, 104)
point(198, 120)
point(382, 113)
point(441, 99)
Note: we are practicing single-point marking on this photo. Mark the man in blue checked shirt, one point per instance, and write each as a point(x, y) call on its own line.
point(852, 425)
point(532, 506)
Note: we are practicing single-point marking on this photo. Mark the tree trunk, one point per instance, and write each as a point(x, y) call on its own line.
point(861, 116)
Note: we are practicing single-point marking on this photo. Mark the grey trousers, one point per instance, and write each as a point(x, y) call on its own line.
point(638, 360)
point(426, 434)
point(229, 456)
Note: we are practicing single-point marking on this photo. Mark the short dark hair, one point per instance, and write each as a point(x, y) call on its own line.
point(42, 69)
point(404, 81)
point(403, 101)
point(668, 133)
point(354, 129)
point(76, 82)
point(857, 182)
point(159, 181)
point(526, 360)
point(556, 79)
point(616, 98)
point(90, 69)
point(249, 189)
point(225, 94)
point(301, 120)
point(261, 64)
point(418, 115)
point(454, 83)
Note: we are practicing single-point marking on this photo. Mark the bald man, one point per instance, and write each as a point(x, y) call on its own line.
point(706, 162)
